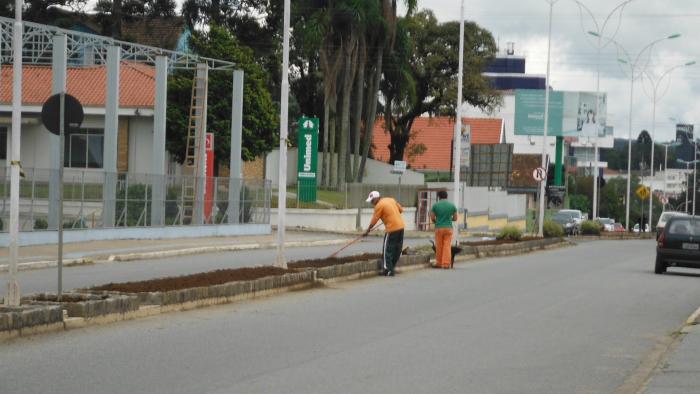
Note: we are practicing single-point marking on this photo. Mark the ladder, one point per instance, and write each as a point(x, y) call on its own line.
point(193, 148)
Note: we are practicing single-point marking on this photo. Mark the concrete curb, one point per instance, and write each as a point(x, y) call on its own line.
point(171, 253)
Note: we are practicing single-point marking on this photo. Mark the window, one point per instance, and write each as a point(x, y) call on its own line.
point(84, 148)
point(3, 143)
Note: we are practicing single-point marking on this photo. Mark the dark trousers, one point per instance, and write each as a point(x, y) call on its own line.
point(393, 243)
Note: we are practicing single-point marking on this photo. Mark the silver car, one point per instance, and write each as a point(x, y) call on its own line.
point(664, 218)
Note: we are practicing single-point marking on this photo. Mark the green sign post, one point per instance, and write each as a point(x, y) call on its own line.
point(307, 159)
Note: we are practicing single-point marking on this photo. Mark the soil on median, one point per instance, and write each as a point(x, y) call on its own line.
point(224, 276)
point(210, 278)
point(327, 262)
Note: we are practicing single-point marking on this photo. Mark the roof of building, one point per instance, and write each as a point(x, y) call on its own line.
point(436, 134)
point(87, 84)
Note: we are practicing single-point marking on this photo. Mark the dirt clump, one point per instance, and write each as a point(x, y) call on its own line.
point(327, 262)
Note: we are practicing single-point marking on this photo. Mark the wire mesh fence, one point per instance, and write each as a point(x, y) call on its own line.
point(96, 199)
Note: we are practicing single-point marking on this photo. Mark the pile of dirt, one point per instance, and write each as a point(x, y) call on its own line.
point(320, 263)
point(499, 241)
point(195, 280)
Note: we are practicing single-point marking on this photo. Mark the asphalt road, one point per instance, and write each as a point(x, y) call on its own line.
point(572, 320)
point(46, 280)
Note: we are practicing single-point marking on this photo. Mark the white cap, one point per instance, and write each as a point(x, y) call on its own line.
point(372, 195)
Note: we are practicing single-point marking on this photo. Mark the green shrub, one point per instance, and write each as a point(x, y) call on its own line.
point(590, 227)
point(510, 233)
point(552, 229)
point(41, 224)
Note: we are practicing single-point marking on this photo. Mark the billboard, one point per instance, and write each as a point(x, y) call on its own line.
point(571, 114)
point(684, 132)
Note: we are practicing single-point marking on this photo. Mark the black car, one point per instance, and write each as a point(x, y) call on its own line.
point(567, 221)
point(679, 244)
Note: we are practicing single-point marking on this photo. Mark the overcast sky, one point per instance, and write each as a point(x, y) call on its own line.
point(574, 53)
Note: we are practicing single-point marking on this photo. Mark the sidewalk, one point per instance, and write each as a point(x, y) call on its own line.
point(43, 256)
point(681, 372)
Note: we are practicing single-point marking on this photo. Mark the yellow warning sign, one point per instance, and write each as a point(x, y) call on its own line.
point(642, 192)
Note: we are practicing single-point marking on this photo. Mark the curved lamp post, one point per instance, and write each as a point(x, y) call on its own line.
point(540, 228)
point(600, 44)
point(635, 72)
point(656, 96)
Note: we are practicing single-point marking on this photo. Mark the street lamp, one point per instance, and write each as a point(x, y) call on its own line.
point(458, 116)
point(281, 261)
point(598, 33)
point(656, 97)
point(13, 291)
point(633, 65)
point(540, 230)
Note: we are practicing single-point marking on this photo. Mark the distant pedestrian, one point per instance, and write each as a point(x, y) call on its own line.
point(443, 213)
point(389, 211)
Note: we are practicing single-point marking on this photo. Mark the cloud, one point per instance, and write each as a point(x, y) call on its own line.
point(574, 54)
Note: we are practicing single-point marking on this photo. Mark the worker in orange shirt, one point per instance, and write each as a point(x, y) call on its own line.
point(389, 211)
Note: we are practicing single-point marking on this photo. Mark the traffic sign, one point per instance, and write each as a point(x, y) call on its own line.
point(664, 200)
point(643, 192)
point(399, 167)
point(539, 174)
point(51, 112)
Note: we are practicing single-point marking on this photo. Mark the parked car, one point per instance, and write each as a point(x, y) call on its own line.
point(636, 228)
point(607, 223)
point(577, 215)
point(664, 218)
point(678, 244)
point(568, 222)
point(618, 228)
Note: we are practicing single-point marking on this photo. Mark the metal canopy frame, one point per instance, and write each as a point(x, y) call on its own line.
point(38, 46)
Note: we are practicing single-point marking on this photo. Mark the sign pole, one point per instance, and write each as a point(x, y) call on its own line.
point(13, 292)
point(62, 137)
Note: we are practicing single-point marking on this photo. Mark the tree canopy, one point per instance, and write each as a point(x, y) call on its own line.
point(260, 119)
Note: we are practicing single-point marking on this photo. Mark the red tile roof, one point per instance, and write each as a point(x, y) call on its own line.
point(436, 134)
point(87, 84)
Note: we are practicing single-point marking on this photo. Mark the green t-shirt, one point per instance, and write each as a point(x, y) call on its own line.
point(443, 211)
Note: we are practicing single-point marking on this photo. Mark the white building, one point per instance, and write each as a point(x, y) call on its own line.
point(673, 181)
point(84, 148)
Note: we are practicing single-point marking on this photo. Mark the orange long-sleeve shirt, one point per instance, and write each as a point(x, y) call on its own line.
point(389, 211)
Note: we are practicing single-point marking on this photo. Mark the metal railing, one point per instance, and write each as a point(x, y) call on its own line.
point(86, 200)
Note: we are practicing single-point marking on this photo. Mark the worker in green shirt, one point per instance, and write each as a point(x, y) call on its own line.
point(443, 214)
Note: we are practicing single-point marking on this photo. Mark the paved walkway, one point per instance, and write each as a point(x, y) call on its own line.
point(681, 372)
point(44, 256)
point(103, 250)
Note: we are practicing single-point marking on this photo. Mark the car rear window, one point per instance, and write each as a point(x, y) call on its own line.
point(684, 227)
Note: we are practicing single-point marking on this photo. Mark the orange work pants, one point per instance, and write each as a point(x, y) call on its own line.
point(443, 248)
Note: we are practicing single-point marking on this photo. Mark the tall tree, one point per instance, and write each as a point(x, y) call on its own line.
point(260, 120)
point(421, 78)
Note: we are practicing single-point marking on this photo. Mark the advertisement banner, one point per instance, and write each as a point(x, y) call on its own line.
point(307, 159)
point(571, 114)
point(684, 133)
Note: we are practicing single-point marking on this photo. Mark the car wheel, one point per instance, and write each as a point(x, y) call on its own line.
point(660, 266)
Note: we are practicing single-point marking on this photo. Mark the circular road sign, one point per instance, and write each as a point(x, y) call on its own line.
point(539, 174)
point(51, 113)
